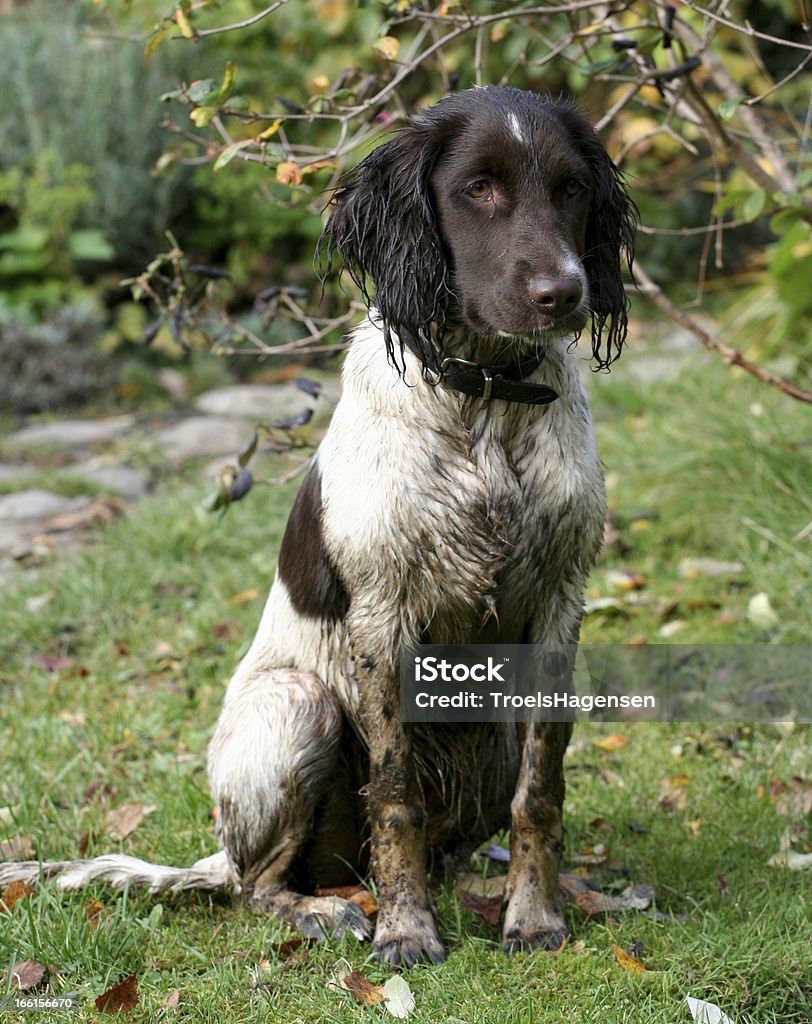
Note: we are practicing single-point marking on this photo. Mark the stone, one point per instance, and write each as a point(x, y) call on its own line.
point(72, 433)
point(202, 436)
point(124, 481)
point(262, 403)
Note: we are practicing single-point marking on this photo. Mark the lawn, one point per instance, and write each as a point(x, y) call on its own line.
point(113, 664)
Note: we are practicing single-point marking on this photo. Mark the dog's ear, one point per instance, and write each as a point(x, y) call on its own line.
point(383, 227)
point(610, 236)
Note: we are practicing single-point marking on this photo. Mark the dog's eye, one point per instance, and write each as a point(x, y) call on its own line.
point(572, 187)
point(478, 189)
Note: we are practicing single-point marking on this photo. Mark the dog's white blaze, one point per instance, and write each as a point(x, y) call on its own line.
point(515, 128)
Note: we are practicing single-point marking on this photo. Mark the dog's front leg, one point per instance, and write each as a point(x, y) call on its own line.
point(406, 931)
point(533, 916)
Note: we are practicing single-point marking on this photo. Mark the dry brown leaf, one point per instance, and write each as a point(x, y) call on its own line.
point(629, 963)
point(13, 893)
point(95, 912)
point(675, 800)
point(288, 173)
point(98, 512)
point(572, 884)
point(121, 998)
point(172, 999)
point(614, 742)
point(26, 975)
point(363, 989)
point(489, 908)
point(633, 897)
point(120, 822)
point(354, 893)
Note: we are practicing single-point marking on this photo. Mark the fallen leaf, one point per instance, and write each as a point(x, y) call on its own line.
point(398, 998)
point(706, 1013)
point(94, 911)
point(671, 628)
point(627, 962)
point(120, 822)
point(13, 893)
point(121, 998)
point(354, 893)
point(600, 825)
point(489, 908)
point(53, 662)
point(614, 742)
point(362, 988)
point(97, 512)
point(624, 579)
point(244, 596)
point(691, 568)
point(591, 855)
point(172, 999)
point(675, 800)
point(761, 613)
point(26, 975)
point(633, 897)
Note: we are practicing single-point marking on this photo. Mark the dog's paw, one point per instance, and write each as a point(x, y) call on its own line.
point(550, 940)
point(322, 917)
point(408, 940)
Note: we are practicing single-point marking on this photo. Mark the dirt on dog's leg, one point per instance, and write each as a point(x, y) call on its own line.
point(273, 753)
point(405, 931)
point(533, 917)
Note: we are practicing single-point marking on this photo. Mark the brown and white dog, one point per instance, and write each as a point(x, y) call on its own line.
point(457, 497)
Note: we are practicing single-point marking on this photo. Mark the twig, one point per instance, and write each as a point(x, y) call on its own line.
point(730, 355)
point(200, 33)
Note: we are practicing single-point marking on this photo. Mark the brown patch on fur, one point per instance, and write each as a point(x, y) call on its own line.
point(315, 588)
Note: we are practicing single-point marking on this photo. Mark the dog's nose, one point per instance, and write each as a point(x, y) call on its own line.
point(557, 296)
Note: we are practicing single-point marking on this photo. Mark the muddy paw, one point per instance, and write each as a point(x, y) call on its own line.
point(405, 943)
point(518, 941)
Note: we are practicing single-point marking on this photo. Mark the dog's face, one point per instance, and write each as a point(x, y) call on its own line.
point(513, 196)
point(499, 212)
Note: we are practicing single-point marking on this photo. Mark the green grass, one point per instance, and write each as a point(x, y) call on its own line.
point(148, 618)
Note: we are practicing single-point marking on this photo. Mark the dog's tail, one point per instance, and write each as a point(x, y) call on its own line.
point(117, 869)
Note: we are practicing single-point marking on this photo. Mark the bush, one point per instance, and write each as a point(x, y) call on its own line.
point(54, 363)
point(76, 99)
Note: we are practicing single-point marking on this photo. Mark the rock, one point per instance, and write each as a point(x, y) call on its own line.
point(124, 481)
point(264, 403)
point(202, 436)
point(24, 514)
point(72, 433)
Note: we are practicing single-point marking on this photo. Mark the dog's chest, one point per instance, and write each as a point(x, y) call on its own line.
point(471, 511)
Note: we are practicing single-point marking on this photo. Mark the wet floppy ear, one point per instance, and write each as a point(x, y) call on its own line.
point(383, 227)
point(610, 237)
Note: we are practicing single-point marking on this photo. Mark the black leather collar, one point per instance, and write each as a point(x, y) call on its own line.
point(505, 381)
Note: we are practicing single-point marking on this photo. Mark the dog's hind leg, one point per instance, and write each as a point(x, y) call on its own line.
point(272, 760)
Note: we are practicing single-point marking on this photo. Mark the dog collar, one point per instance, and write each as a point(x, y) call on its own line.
point(505, 381)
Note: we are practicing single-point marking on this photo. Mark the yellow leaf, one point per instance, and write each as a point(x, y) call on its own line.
point(244, 596)
point(202, 115)
point(629, 963)
point(271, 130)
point(319, 83)
point(289, 173)
point(499, 31)
point(318, 165)
point(387, 47)
point(614, 742)
point(184, 24)
point(155, 42)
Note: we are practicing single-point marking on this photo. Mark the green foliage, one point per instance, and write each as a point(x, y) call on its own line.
point(41, 248)
point(75, 100)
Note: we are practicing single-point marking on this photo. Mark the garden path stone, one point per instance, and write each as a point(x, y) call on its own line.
point(258, 402)
point(24, 514)
point(124, 481)
point(72, 433)
point(202, 436)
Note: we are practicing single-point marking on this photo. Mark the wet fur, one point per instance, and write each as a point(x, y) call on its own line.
point(431, 516)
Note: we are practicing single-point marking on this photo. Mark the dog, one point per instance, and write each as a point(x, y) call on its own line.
point(456, 498)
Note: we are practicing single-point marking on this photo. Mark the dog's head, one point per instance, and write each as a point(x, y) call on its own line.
point(498, 211)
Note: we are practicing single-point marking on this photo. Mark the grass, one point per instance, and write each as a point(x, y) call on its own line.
point(148, 621)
